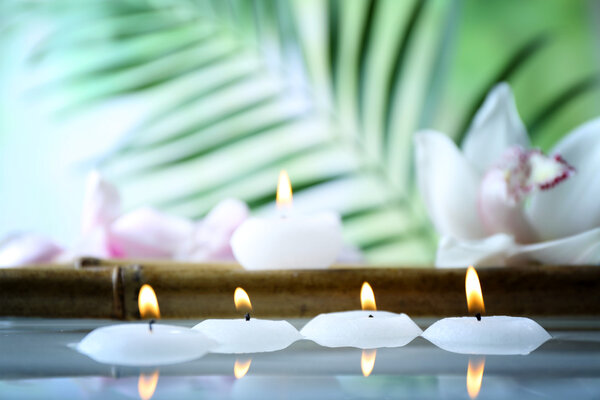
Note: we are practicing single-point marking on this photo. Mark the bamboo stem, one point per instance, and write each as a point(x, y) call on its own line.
point(109, 289)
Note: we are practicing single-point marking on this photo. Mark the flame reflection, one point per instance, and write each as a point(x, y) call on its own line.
point(147, 385)
point(241, 367)
point(367, 361)
point(475, 376)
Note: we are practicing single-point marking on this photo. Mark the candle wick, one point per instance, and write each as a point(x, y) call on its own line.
point(478, 316)
point(370, 316)
point(247, 316)
point(150, 324)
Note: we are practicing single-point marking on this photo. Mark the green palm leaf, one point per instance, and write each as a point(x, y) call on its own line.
point(330, 90)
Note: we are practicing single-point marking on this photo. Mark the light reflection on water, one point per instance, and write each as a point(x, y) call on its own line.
point(35, 363)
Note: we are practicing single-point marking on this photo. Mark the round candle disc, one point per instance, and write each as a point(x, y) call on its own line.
point(253, 336)
point(136, 345)
point(361, 329)
point(491, 335)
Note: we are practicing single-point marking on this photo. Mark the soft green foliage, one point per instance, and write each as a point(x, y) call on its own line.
point(330, 90)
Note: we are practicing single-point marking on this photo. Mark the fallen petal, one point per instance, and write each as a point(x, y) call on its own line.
point(27, 249)
point(212, 235)
point(495, 127)
point(101, 203)
point(148, 233)
point(448, 185)
point(489, 252)
point(95, 243)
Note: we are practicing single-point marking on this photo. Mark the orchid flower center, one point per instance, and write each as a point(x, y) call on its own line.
point(506, 185)
point(527, 171)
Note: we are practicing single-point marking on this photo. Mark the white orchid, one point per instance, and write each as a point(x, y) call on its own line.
point(499, 202)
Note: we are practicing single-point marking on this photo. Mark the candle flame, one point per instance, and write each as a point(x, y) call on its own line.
point(473, 290)
point(148, 303)
point(284, 191)
point(367, 361)
point(475, 376)
point(147, 385)
point(241, 367)
point(367, 297)
point(242, 301)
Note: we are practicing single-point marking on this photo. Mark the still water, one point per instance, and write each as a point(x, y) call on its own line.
point(36, 363)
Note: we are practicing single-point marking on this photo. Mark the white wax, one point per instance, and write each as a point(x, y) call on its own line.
point(253, 336)
point(491, 335)
point(294, 242)
point(356, 329)
point(134, 344)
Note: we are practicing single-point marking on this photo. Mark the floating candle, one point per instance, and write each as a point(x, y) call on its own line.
point(485, 335)
point(248, 335)
point(147, 343)
point(366, 329)
point(288, 241)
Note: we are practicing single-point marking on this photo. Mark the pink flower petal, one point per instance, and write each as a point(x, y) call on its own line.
point(27, 249)
point(101, 203)
point(95, 243)
point(213, 234)
point(148, 233)
point(499, 211)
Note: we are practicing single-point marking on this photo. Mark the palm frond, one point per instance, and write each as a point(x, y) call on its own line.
point(330, 90)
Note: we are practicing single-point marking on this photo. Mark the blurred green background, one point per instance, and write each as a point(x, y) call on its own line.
point(183, 103)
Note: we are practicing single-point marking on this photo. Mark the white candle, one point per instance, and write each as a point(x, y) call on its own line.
point(248, 335)
point(366, 329)
point(144, 344)
point(136, 345)
point(485, 335)
point(288, 241)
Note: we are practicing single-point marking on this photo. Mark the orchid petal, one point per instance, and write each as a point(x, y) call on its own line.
point(27, 249)
point(148, 233)
point(572, 206)
point(580, 249)
point(499, 211)
point(495, 127)
point(101, 203)
point(491, 251)
point(212, 235)
point(448, 185)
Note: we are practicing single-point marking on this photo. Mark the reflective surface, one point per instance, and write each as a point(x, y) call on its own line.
point(36, 362)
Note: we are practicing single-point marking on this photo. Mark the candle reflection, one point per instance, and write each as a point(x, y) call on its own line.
point(241, 367)
point(367, 361)
point(475, 375)
point(147, 385)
